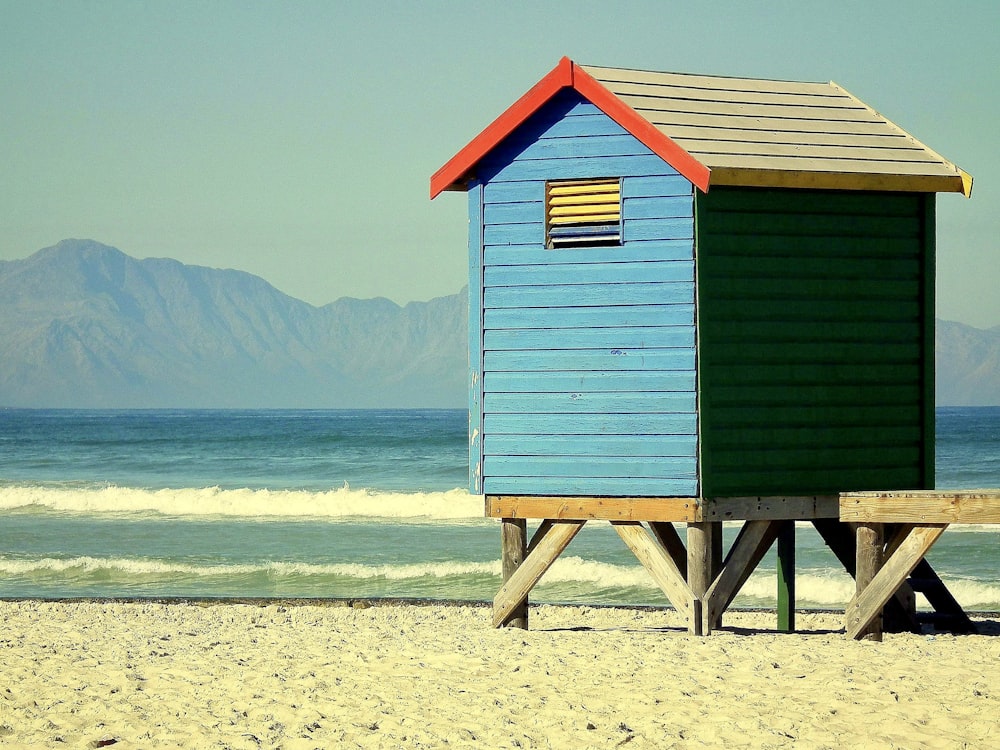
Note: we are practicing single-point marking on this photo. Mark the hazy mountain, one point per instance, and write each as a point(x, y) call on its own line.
point(968, 365)
point(84, 325)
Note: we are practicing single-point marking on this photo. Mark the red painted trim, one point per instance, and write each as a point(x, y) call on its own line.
point(647, 133)
point(568, 74)
point(458, 166)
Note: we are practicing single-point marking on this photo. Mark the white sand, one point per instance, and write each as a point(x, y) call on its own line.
point(245, 676)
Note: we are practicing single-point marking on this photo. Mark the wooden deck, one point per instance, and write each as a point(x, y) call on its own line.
point(881, 538)
point(915, 520)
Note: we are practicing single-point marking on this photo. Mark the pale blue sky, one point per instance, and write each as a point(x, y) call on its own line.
point(296, 140)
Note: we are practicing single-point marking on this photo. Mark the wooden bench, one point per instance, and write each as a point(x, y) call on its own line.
point(914, 520)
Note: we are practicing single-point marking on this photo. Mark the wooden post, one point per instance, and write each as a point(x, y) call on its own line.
point(786, 577)
point(551, 540)
point(752, 543)
point(867, 565)
point(513, 548)
point(704, 551)
point(664, 570)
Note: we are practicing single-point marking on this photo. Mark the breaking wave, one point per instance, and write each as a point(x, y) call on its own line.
point(342, 503)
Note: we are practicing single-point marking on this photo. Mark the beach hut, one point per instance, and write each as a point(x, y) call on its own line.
point(693, 299)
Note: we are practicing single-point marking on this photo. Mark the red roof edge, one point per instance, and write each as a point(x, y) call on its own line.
point(567, 74)
point(455, 170)
point(643, 130)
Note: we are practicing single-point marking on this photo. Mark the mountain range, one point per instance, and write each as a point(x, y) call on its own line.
point(83, 325)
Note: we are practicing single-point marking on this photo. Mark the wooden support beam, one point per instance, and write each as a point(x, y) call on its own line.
point(544, 553)
point(663, 569)
point(513, 550)
point(868, 561)
point(899, 612)
point(540, 532)
point(679, 509)
point(770, 508)
point(868, 602)
point(786, 577)
point(924, 578)
point(752, 543)
point(921, 506)
point(667, 535)
point(704, 553)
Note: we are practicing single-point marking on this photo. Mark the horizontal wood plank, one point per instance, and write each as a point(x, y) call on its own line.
point(604, 316)
point(610, 76)
point(656, 402)
point(590, 424)
point(586, 295)
point(621, 272)
point(626, 337)
point(770, 508)
point(535, 254)
point(592, 486)
point(593, 445)
point(609, 360)
point(922, 507)
point(638, 467)
point(590, 382)
point(674, 509)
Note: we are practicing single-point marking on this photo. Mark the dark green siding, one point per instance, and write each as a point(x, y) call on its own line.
point(814, 356)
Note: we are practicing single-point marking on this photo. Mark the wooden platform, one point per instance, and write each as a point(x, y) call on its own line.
point(881, 538)
point(695, 578)
point(915, 520)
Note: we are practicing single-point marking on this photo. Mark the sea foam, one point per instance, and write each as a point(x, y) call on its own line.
point(342, 503)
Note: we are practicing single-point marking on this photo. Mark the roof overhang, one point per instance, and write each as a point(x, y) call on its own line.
point(456, 172)
point(735, 132)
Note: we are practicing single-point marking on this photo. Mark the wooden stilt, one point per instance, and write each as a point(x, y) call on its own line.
point(948, 611)
point(662, 568)
point(513, 550)
point(544, 552)
point(753, 541)
point(667, 536)
point(704, 561)
point(786, 577)
point(868, 562)
point(900, 611)
point(868, 602)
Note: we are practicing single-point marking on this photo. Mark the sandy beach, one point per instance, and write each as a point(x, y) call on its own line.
point(137, 675)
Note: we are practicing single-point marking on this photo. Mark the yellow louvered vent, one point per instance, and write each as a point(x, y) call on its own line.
point(583, 212)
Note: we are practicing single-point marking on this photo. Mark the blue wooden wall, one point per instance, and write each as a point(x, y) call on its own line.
point(582, 372)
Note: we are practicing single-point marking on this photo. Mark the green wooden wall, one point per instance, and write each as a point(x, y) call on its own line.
point(815, 341)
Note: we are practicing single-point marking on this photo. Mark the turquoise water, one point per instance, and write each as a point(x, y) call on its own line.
point(346, 504)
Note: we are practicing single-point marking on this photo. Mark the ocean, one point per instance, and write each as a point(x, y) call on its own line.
point(350, 504)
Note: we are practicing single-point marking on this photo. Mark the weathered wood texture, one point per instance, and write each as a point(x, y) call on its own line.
point(786, 577)
point(868, 602)
point(588, 353)
point(900, 611)
point(770, 508)
point(922, 507)
point(661, 567)
point(670, 540)
point(812, 346)
point(752, 543)
point(679, 509)
point(544, 552)
point(475, 338)
point(868, 562)
point(782, 133)
point(704, 560)
point(513, 550)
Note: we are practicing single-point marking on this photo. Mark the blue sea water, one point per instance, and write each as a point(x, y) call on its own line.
point(348, 504)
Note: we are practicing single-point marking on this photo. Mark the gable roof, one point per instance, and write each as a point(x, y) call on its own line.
point(736, 131)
